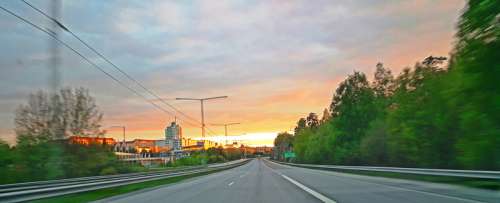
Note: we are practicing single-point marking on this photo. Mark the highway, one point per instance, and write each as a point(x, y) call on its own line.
point(264, 181)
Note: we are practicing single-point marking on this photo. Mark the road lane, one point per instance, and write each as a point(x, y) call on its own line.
point(356, 188)
point(264, 181)
point(253, 182)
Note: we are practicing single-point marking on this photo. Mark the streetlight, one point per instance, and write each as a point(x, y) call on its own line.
point(225, 127)
point(202, 113)
point(122, 127)
point(244, 146)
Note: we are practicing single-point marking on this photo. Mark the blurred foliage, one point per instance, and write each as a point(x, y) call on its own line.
point(42, 151)
point(58, 159)
point(48, 116)
point(209, 156)
point(435, 114)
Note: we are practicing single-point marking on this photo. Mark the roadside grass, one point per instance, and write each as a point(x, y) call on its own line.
point(109, 192)
point(468, 182)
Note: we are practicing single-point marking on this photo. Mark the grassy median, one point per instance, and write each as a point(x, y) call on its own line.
point(109, 192)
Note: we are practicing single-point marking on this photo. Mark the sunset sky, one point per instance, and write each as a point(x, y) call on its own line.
point(276, 60)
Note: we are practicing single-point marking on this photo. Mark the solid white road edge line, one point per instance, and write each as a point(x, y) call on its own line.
point(312, 171)
point(309, 190)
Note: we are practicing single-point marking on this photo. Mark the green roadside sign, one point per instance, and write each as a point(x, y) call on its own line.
point(289, 155)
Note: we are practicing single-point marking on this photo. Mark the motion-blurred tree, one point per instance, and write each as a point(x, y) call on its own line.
point(6, 161)
point(473, 85)
point(436, 114)
point(57, 116)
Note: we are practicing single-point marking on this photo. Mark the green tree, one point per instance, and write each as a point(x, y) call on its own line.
point(312, 120)
point(282, 143)
point(353, 108)
point(419, 121)
point(383, 82)
point(301, 144)
point(326, 116)
point(473, 85)
point(301, 124)
point(6, 162)
point(434, 115)
point(373, 147)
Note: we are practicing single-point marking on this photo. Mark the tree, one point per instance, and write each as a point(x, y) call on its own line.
point(353, 108)
point(326, 116)
point(433, 115)
point(57, 116)
point(373, 147)
point(312, 120)
point(420, 129)
point(301, 124)
point(283, 143)
point(6, 160)
point(382, 81)
point(473, 84)
point(301, 144)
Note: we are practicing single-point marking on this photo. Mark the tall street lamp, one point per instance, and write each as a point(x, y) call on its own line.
point(225, 127)
point(123, 130)
point(202, 112)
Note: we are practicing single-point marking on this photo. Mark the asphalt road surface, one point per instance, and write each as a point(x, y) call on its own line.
point(264, 181)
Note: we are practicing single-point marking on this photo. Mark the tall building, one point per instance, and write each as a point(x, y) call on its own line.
point(173, 136)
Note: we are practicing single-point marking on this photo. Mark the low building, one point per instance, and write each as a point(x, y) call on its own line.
point(206, 144)
point(143, 146)
point(91, 140)
point(192, 148)
point(247, 149)
point(187, 142)
point(263, 150)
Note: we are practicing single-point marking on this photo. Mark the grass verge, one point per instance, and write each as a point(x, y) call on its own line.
point(109, 192)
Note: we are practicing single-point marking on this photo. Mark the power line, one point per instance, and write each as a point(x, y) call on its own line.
point(86, 59)
point(98, 67)
point(108, 61)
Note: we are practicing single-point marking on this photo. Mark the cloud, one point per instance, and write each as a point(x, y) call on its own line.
point(277, 60)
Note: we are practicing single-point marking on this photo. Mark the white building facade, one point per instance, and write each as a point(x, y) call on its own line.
point(173, 136)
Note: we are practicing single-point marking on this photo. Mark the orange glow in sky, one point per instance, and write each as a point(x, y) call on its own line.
point(275, 61)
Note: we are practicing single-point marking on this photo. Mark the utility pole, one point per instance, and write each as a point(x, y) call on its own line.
point(244, 148)
point(225, 127)
point(55, 60)
point(202, 111)
point(123, 128)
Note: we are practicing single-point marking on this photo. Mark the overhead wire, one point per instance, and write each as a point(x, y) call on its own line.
point(116, 67)
point(48, 32)
point(85, 58)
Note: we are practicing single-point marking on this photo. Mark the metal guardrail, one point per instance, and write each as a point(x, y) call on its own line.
point(20, 192)
point(417, 171)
